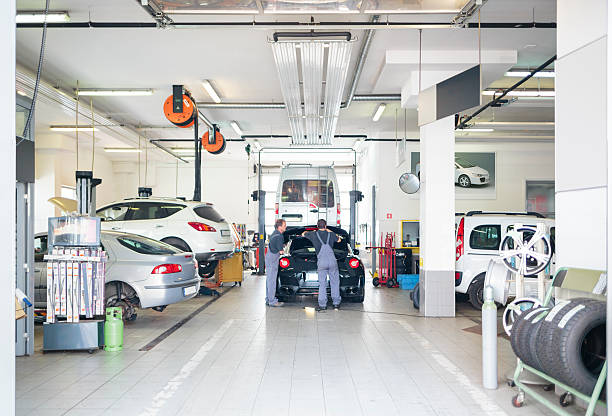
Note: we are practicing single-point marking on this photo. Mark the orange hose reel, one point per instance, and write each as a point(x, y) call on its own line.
point(215, 147)
point(184, 119)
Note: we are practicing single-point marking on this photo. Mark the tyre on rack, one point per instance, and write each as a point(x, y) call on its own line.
point(579, 344)
point(517, 332)
point(544, 354)
point(531, 323)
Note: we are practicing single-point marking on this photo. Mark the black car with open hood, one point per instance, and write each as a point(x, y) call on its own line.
point(297, 269)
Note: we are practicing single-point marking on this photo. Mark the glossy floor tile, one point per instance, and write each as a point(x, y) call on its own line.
point(238, 357)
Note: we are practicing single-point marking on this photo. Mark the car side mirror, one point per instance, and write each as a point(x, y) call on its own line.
point(356, 252)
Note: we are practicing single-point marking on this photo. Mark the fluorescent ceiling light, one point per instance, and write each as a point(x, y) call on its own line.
point(522, 93)
point(210, 11)
point(236, 128)
point(211, 91)
point(122, 150)
point(22, 93)
point(379, 111)
point(114, 91)
point(39, 17)
point(475, 130)
point(73, 128)
point(183, 150)
point(523, 74)
point(311, 11)
point(407, 11)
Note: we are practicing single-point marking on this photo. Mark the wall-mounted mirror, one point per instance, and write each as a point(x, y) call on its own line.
point(409, 183)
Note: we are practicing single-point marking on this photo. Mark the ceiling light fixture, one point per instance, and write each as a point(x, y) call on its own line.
point(211, 91)
point(236, 128)
point(73, 128)
point(183, 150)
point(475, 130)
point(379, 111)
point(102, 92)
point(523, 74)
point(22, 93)
point(39, 17)
point(522, 93)
point(122, 150)
point(210, 11)
point(312, 124)
point(409, 11)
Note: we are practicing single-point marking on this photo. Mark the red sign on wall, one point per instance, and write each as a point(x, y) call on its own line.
point(389, 216)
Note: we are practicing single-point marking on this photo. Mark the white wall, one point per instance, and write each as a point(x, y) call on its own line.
point(516, 163)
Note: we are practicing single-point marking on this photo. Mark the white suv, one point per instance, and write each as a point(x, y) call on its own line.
point(478, 237)
point(188, 225)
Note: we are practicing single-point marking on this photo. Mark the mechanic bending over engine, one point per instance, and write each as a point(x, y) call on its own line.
point(276, 243)
point(323, 240)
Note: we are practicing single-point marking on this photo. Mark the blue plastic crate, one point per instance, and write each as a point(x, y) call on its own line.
point(407, 281)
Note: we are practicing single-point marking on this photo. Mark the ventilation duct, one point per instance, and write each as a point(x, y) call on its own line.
point(312, 72)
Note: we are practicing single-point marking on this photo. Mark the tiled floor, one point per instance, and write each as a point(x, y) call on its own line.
point(238, 357)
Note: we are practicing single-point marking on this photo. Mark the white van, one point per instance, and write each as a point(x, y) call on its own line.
point(478, 238)
point(306, 194)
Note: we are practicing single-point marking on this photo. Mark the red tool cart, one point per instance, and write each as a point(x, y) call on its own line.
point(387, 270)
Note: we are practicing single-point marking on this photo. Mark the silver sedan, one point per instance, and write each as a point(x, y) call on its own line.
point(140, 272)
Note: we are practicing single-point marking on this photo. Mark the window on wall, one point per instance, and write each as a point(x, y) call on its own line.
point(540, 197)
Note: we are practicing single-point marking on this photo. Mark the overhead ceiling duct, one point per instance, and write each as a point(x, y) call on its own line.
point(312, 72)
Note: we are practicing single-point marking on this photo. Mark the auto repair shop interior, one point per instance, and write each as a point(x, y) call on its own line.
point(173, 162)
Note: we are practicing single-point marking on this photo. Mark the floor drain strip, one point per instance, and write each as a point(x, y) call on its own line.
point(182, 322)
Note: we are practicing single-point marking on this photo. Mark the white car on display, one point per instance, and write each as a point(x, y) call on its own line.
point(466, 173)
point(478, 238)
point(190, 226)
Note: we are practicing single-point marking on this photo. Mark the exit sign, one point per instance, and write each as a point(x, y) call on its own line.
point(389, 216)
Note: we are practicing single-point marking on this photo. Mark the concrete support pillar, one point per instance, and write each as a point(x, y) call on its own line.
point(7, 219)
point(437, 218)
point(581, 138)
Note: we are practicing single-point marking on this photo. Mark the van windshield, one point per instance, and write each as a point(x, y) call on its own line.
point(318, 191)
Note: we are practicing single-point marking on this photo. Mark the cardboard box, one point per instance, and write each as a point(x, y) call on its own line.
point(19, 311)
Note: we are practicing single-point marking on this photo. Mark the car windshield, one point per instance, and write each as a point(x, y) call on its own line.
point(145, 245)
point(464, 163)
point(318, 191)
point(302, 245)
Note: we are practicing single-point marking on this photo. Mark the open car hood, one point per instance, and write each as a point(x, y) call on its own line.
point(292, 232)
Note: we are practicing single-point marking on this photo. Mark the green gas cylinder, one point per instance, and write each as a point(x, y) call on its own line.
point(113, 329)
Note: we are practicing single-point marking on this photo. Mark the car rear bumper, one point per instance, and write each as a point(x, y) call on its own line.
point(153, 295)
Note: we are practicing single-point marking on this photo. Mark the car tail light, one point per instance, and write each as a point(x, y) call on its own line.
point(458, 278)
point(313, 206)
point(167, 268)
point(354, 263)
point(284, 262)
point(276, 208)
point(338, 212)
point(459, 243)
point(201, 226)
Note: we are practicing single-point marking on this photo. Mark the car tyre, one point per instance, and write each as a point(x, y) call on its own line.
point(207, 269)
point(464, 181)
point(475, 291)
point(376, 281)
point(416, 301)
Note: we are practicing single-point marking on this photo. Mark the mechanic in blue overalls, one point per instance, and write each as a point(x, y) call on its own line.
point(323, 240)
point(276, 243)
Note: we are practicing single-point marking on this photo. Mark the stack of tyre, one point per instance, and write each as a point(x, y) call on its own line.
point(567, 341)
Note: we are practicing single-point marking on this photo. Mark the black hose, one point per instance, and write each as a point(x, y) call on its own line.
point(41, 58)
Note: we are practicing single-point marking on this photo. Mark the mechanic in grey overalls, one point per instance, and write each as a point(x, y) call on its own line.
point(326, 263)
point(276, 242)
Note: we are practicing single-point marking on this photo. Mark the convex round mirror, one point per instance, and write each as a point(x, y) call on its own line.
point(409, 183)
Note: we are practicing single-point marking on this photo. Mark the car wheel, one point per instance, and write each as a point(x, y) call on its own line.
point(475, 291)
point(464, 181)
point(416, 301)
point(376, 281)
point(207, 269)
point(178, 243)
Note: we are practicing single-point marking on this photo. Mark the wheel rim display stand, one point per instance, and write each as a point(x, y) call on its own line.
point(572, 279)
point(519, 279)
